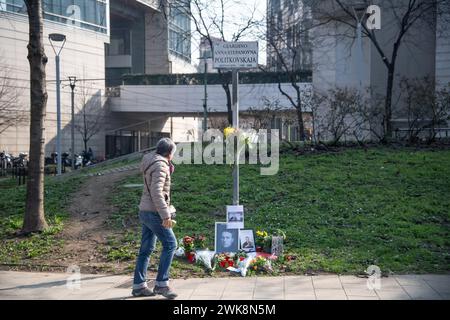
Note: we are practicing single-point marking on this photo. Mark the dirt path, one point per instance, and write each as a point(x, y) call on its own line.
point(87, 231)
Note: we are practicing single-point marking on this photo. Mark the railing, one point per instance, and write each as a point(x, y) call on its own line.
point(17, 167)
point(215, 78)
point(441, 133)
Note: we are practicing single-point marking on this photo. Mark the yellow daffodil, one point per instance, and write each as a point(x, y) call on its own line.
point(228, 131)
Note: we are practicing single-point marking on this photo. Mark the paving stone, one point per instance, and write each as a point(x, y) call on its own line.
point(25, 285)
point(237, 296)
point(330, 294)
point(362, 298)
point(352, 280)
point(273, 295)
point(210, 297)
point(327, 283)
point(357, 291)
point(442, 287)
point(300, 296)
point(199, 291)
point(115, 294)
point(410, 280)
point(398, 294)
point(422, 293)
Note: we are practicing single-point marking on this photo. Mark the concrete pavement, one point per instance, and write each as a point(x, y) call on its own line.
point(60, 286)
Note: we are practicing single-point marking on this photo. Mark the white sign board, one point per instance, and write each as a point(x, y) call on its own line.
point(235, 55)
point(235, 217)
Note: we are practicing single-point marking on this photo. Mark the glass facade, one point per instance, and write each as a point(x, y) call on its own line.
point(180, 30)
point(120, 42)
point(87, 14)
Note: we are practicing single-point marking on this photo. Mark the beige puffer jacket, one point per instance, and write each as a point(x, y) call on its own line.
point(157, 175)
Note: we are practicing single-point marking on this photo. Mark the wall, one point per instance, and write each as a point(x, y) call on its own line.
point(443, 49)
point(335, 57)
point(177, 126)
point(189, 98)
point(83, 57)
point(156, 39)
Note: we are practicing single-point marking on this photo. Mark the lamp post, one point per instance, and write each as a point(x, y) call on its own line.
point(72, 81)
point(57, 37)
point(205, 103)
point(205, 57)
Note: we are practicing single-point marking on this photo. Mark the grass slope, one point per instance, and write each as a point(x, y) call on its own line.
point(341, 212)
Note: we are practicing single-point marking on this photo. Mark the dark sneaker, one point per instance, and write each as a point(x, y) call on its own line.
point(165, 292)
point(143, 292)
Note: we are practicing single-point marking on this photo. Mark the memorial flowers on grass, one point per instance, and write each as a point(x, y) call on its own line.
point(199, 242)
point(260, 265)
point(263, 241)
point(188, 246)
point(225, 260)
point(240, 256)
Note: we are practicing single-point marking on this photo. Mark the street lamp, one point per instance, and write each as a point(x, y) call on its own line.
point(57, 37)
point(72, 81)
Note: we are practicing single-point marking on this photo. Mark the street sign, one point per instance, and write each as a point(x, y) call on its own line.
point(235, 55)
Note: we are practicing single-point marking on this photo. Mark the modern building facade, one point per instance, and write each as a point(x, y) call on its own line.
point(181, 106)
point(148, 37)
point(104, 40)
point(288, 35)
point(86, 27)
point(341, 61)
point(205, 56)
point(315, 35)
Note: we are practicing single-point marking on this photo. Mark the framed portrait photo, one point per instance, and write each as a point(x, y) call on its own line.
point(235, 217)
point(226, 240)
point(247, 240)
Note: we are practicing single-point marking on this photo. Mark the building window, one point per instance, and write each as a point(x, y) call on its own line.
point(87, 14)
point(120, 43)
point(180, 31)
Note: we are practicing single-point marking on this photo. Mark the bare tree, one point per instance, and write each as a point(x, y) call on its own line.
point(289, 47)
point(341, 118)
point(218, 122)
point(316, 102)
point(425, 108)
point(261, 118)
point(417, 97)
point(34, 219)
point(90, 115)
point(11, 112)
point(406, 13)
point(213, 20)
point(440, 110)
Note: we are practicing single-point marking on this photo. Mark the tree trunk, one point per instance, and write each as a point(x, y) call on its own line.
point(85, 142)
point(226, 87)
point(389, 89)
point(301, 124)
point(388, 104)
point(34, 219)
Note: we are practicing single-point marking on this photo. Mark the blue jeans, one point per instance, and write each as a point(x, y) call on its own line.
point(151, 229)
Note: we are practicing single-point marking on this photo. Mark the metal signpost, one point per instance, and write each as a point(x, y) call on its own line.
point(235, 56)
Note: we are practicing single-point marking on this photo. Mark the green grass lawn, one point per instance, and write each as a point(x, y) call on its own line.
point(19, 250)
point(341, 212)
